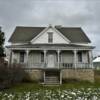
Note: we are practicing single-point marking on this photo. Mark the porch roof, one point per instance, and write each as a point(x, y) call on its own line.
point(51, 46)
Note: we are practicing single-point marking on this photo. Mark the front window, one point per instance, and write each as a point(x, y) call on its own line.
point(50, 37)
point(42, 57)
point(79, 56)
point(21, 57)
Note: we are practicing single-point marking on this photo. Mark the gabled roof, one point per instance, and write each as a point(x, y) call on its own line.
point(26, 34)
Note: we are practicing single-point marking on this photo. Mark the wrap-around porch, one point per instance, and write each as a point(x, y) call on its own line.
point(52, 59)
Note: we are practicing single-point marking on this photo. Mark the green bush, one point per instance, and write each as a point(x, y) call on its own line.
point(10, 75)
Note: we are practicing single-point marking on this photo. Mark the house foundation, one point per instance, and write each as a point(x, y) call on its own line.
point(34, 75)
point(38, 75)
point(78, 74)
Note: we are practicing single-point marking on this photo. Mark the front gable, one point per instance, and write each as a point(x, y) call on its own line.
point(56, 35)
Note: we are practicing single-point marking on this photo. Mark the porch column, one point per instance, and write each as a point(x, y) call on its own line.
point(61, 77)
point(10, 58)
point(45, 61)
point(90, 59)
point(58, 52)
point(27, 55)
point(75, 57)
point(44, 76)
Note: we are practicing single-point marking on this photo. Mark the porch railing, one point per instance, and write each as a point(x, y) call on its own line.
point(58, 66)
point(78, 65)
point(66, 65)
point(83, 65)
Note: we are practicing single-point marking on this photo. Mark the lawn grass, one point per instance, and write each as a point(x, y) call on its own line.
point(25, 87)
point(70, 91)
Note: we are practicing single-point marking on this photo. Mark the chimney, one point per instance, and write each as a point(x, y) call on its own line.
point(50, 25)
point(58, 26)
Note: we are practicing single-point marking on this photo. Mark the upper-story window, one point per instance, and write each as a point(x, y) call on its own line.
point(50, 37)
point(21, 57)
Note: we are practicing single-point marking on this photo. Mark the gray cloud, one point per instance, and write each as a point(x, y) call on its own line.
point(82, 13)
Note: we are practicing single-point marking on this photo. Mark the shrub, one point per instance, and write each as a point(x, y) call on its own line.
point(10, 75)
point(17, 73)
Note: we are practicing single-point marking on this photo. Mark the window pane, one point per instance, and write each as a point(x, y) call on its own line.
point(79, 56)
point(50, 37)
point(42, 57)
point(21, 57)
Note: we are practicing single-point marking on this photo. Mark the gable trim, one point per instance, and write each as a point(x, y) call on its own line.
point(65, 38)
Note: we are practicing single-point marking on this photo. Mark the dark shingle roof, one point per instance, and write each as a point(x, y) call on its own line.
point(74, 34)
point(26, 34)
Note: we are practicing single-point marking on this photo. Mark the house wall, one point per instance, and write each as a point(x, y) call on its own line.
point(15, 57)
point(67, 57)
point(44, 38)
point(85, 57)
point(35, 57)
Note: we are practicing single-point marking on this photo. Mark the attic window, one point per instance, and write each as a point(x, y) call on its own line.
point(50, 37)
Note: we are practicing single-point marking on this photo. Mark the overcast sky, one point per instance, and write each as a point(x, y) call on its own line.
point(71, 13)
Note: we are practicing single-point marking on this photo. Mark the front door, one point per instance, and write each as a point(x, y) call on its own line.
point(51, 61)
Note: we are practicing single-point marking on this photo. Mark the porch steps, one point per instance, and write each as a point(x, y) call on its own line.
point(51, 80)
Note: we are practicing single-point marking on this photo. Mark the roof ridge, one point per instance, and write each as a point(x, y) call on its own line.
point(30, 27)
point(45, 26)
point(70, 27)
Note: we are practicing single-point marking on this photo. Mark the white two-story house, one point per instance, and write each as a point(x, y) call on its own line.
point(52, 54)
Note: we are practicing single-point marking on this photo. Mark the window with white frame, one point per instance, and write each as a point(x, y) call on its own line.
point(50, 37)
point(79, 56)
point(42, 57)
point(21, 57)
